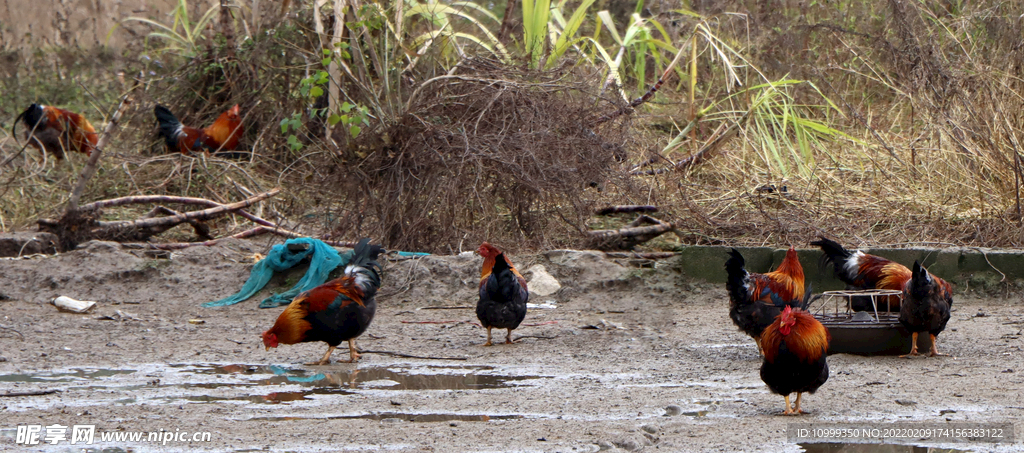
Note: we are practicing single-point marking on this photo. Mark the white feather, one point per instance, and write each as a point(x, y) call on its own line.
point(359, 273)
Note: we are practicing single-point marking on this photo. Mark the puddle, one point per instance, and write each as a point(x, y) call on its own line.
point(76, 374)
point(872, 448)
point(257, 384)
point(396, 416)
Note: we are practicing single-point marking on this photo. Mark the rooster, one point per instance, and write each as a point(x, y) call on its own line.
point(222, 135)
point(756, 299)
point(795, 348)
point(55, 130)
point(860, 271)
point(927, 301)
point(336, 311)
point(503, 293)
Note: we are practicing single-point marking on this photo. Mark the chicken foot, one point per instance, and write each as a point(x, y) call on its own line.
point(327, 357)
point(913, 347)
point(353, 353)
point(935, 349)
point(508, 338)
point(488, 337)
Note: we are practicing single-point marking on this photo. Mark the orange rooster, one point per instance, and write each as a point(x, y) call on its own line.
point(503, 293)
point(756, 299)
point(927, 301)
point(339, 310)
point(860, 270)
point(55, 130)
point(222, 135)
point(795, 351)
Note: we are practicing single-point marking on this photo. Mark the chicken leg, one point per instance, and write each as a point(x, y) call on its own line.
point(913, 347)
point(353, 353)
point(488, 337)
point(935, 349)
point(327, 357)
point(789, 410)
point(508, 338)
point(796, 407)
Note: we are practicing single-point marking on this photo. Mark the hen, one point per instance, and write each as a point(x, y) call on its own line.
point(56, 130)
point(222, 135)
point(503, 293)
point(795, 351)
point(756, 299)
point(927, 301)
point(339, 310)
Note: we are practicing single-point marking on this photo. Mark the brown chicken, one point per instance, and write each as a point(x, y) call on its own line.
point(222, 135)
point(339, 310)
point(795, 351)
point(56, 130)
point(861, 271)
point(756, 299)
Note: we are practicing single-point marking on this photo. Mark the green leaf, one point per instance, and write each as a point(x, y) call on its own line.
point(346, 107)
point(316, 92)
point(326, 61)
point(333, 119)
point(354, 130)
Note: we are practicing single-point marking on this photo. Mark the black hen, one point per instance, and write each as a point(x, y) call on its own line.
point(926, 305)
point(755, 300)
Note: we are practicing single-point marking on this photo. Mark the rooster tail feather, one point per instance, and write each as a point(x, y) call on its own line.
point(170, 126)
point(834, 254)
point(806, 303)
point(32, 115)
point(736, 279)
point(364, 267)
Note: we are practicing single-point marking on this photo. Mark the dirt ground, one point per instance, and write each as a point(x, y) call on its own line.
point(632, 357)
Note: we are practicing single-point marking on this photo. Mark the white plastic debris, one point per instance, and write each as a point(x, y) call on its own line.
point(548, 304)
point(66, 303)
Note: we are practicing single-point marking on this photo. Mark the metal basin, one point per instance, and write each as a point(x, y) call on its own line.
point(865, 333)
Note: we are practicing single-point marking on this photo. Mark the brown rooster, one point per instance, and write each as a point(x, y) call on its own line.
point(756, 299)
point(795, 348)
point(339, 310)
point(860, 271)
point(222, 135)
point(56, 130)
point(503, 293)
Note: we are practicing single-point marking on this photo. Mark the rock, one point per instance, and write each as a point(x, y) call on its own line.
point(628, 444)
point(541, 282)
point(603, 445)
point(28, 243)
point(906, 402)
point(3, 359)
point(591, 266)
point(672, 410)
point(650, 429)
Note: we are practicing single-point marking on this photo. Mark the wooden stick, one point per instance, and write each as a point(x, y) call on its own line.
point(93, 164)
point(702, 155)
point(626, 208)
point(242, 235)
point(139, 199)
point(195, 215)
point(646, 97)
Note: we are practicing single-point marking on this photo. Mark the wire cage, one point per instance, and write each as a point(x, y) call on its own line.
point(871, 332)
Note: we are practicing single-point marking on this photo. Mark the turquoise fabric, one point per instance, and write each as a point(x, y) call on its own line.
point(323, 260)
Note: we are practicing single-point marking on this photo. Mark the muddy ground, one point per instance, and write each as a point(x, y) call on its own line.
point(664, 370)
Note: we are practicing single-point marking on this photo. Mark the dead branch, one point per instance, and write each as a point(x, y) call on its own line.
point(630, 235)
point(202, 231)
point(646, 255)
point(94, 160)
point(139, 199)
point(704, 153)
point(242, 235)
point(205, 214)
point(11, 329)
point(626, 208)
point(646, 97)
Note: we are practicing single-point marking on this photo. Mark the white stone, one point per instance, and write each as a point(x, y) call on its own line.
point(541, 283)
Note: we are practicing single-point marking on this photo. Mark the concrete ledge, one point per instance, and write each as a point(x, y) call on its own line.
point(966, 268)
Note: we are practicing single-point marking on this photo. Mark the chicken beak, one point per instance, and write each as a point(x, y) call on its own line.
point(268, 348)
point(234, 110)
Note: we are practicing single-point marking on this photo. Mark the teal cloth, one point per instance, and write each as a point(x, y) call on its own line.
point(324, 259)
